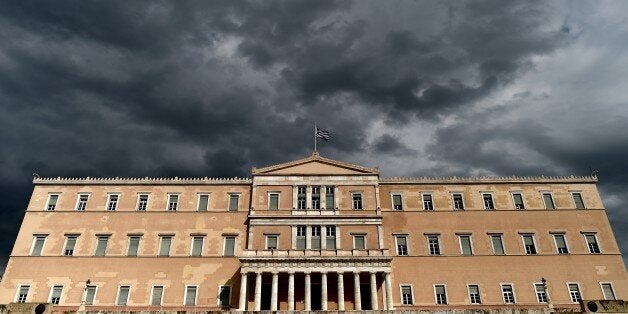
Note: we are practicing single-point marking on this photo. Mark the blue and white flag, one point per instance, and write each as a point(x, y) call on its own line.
point(323, 134)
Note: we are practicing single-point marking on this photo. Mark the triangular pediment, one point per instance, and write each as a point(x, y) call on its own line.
point(315, 165)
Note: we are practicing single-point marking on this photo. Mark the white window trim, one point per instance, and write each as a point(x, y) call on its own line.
point(354, 238)
point(267, 236)
point(128, 296)
point(137, 202)
point(161, 239)
point(397, 245)
point(84, 299)
point(469, 293)
point(553, 201)
point(229, 201)
point(65, 244)
point(28, 294)
point(129, 244)
point(547, 296)
point(446, 296)
point(185, 295)
point(440, 246)
point(566, 243)
point(501, 240)
point(512, 197)
point(586, 243)
point(579, 290)
point(230, 294)
point(52, 288)
point(453, 203)
point(178, 195)
point(523, 243)
point(470, 244)
point(161, 298)
point(573, 201)
point(109, 200)
point(278, 199)
point(411, 292)
point(603, 293)
point(192, 237)
point(514, 293)
point(392, 202)
point(492, 194)
point(48, 201)
point(43, 246)
point(224, 245)
point(361, 201)
point(423, 200)
point(198, 200)
point(78, 200)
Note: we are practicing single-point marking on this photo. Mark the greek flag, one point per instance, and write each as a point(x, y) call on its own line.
point(323, 134)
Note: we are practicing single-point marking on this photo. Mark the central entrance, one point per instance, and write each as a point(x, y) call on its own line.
point(317, 304)
point(365, 296)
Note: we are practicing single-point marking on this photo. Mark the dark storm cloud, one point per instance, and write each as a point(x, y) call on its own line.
point(199, 88)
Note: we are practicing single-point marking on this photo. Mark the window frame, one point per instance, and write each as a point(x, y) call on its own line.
point(330, 237)
point(301, 198)
point(597, 242)
point(224, 245)
point(198, 201)
point(106, 246)
point(551, 195)
point(128, 296)
point(401, 286)
point(137, 202)
point(192, 241)
point(298, 237)
point(185, 295)
point(231, 196)
point(431, 195)
point(331, 188)
point(65, 244)
point(392, 201)
point(85, 293)
point(270, 195)
point(469, 293)
point(78, 201)
point(568, 283)
point(536, 292)
point(43, 245)
point(50, 195)
point(220, 287)
point(436, 301)
point(128, 248)
point(161, 297)
point(514, 202)
point(161, 239)
point(453, 200)
point(523, 241)
point(554, 236)
point(438, 244)
point(602, 283)
point(51, 293)
point(176, 204)
point(573, 199)
point(492, 197)
point(353, 201)
point(405, 236)
point(501, 241)
point(363, 236)
point(514, 294)
point(460, 236)
point(117, 202)
point(17, 293)
point(268, 237)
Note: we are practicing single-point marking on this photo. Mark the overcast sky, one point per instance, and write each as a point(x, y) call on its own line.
point(212, 88)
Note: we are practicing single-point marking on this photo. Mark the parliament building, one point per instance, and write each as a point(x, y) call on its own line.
point(314, 234)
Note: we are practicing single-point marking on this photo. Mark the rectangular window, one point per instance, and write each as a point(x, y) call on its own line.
point(591, 239)
point(406, 295)
point(498, 245)
point(301, 237)
point(134, 245)
point(81, 202)
point(316, 238)
point(316, 197)
point(234, 199)
point(330, 197)
point(428, 204)
point(301, 200)
point(229, 249)
point(123, 295)
point(517, 199)
point(548, 200)
point(541, 294)
point(402, 245)
point(574, 292)
point(196, 248)
point(173, 202)
point(528, 243)
point(190, 295)
point(22, 293)
point(157, 295)
point(164, 246)
point(359, 242)
point(101, 246)
point(465, 245)
point(561, 244)
point(112, 202)
point(488, 201)
point(273, 201)
point(607, 289)
point(38, 245)
point(90, 295)
point(458, 202)
point(52, 201)
point(70, 243)
point(142, 202)
point(357, 200)
point(272, 242)
point(440, 294)
point(508, 294)
point(577, 200)
point(474, 294)
point(397, 203)
point(433, 244)
point(330, 243)
point(224, 296)
point(203, 202)
point(55, 295)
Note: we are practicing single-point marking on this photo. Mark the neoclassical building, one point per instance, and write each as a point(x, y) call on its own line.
point(314, 234)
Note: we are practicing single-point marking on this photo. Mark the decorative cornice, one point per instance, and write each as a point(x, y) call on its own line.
point(314, 157)
point(145, 180)
point(506, 179)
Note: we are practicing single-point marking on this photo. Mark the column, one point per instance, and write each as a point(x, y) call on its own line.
point(308, 292)
point(389, 297)
point(374, 305)
point(275, 289)
point(243, 296)
point(291, 291)
point(357, 297)
point(258, 291)
point(341, 292)
point(324, 291)
point(384, 297)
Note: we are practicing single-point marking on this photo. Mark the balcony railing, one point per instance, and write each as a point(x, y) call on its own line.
point(314, 253)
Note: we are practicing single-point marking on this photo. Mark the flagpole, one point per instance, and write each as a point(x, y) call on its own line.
point(314, 137)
